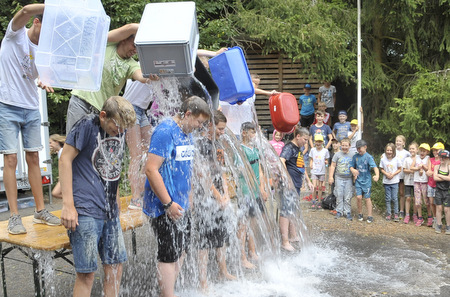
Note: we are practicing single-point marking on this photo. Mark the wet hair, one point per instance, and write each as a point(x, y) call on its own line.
point(402, 138)
point(319, 112)
point(219, 117)
point(247, 126)
point(300, 131)
point(196, 105)
point(254, 76)
point(39, 17)
point(346, 139)
point(392, 146)
point(414, 143)
point(59, 139)
point(120, 110)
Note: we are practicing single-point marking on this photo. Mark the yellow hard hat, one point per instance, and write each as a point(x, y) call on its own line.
point(354, 122)
point(438, 146)
point(318, 137)
point(425, 146)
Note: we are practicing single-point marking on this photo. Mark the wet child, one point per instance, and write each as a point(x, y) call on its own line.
point(442, 198)
point(341, 128)
point(408, 179)
point(56, 143)
point(391, 167)
point(318, 162)
point(277, 141)
point(431, 187)
point(420, 167)
point(361, 165)
point(401, 154)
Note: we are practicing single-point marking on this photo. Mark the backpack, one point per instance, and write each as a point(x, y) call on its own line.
point(329, 202)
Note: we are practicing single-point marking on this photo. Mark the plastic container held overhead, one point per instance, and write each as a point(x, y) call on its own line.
point(167, 39)
point(284, 112)
point(72, 44)
point(230, 72)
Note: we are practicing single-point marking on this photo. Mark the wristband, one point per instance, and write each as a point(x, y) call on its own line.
point(166, 206)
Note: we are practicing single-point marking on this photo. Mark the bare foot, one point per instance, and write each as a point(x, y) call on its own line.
point(248, 265)
point(204, 288)
point(228, 276)
point(295, 239)
point(288, 247)
point(253, 256)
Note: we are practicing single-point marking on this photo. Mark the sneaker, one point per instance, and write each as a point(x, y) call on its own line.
point(135, 204)
point(369, 220)
point(419, 222)
point(44, 217)
point(333, 212)
point(415, 218)
point(349, 216)
point(406, 221)
point(319, 207)
point(430, 222)
point(338, 215)
point(15, 225)
point(438, 229)
point(388, 217)
point(447, 230)
point(396, 218)
point(360, 217)
point(401, 215)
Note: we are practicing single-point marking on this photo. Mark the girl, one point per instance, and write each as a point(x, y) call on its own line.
point(277, 141)
point(318, 161)
point(56, 146)
point(401, 154)
point(431, 188)
point(442, 178)
point(391, 167)
point(420, 167)
point(408, 179)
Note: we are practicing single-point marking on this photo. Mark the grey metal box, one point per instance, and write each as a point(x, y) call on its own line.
point(167, 39)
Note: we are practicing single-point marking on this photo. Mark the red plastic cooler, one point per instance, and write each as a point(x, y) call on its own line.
point(284, 112)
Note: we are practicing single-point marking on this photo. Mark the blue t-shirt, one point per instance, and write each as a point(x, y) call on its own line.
point(342, 130)
point(177, 149)
point(325, 130)
point(363, 164)
point(295, 162)
point(96, 169)
point(307, 103)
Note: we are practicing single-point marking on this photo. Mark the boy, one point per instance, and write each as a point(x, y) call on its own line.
point(19, 109)
point(90, 167)
point(340, 165)
point(248, 133)
point(211, 190)
point(307, 104)
point(360, 168)
point(327, 94)
point(322, 106)
point(341, 128)
point(322, 129)
point(318, 161)
point(166, 200)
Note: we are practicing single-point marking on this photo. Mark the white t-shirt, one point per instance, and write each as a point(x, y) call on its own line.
point(390, 166)
point(417, 177)
point(402, 155)
point(353, 141)
point(327, 95)
point(18, 70)
point(408, 178)
point(238, 114)
point(138, 94)
point(319, 158)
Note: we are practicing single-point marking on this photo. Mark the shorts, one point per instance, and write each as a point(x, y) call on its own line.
point(306, 120)
point(141, 117)
point(288, 203)
point(320, 177)
point(330, 110)
point(94, 236)
point(212, 231)
point(409, 191)
point(14, 119)
point(431, 192)
point(442, 198)
point(252, 208)
point(363, 192)
point(77, 109)
point(173, 237)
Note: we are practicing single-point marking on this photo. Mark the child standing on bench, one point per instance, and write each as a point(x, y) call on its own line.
point(90, 168)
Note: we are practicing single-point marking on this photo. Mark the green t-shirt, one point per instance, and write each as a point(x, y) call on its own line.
point(253, 158)
point(116, 71)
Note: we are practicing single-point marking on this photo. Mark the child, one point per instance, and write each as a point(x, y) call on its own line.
point(320, 128)
point(401, 154)
point(90, 168)
point(56, 143)
point(322, 106)
point(360, 168)
point(318, 161)
point(420, 167)
point(355, 134)
point(248, 134)
point(390, 167)
point(277, 141)
point(431, 187)
point(341, 128)
point(327, 94)
point(341, 166)
point(307, 104)
point(442, 178)
point(408, 179)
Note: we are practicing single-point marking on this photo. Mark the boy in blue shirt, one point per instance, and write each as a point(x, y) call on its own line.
point(360, 167)
point(90, 167)
point(307, 103)
point(167, 190)
point(341, 128)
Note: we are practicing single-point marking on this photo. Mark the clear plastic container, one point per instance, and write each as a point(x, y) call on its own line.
point(72, 44)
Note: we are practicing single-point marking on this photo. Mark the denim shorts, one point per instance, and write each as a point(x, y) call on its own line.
point(362, 192)
point(14, 119)
point(431, 192)
point(94, 236)
point(141, 117)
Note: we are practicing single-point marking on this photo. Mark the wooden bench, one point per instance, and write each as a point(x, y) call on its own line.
point(40, 237)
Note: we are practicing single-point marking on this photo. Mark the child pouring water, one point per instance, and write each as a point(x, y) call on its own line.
point(391, 167)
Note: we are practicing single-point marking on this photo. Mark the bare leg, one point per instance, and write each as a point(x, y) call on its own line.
point(293, 236)
point(369, 207)
point(432, 207)
point(242, 235)
point(203, 269)
point(133, 137)
point(34, 176)
point(359, 203)
point(83, 284)
point(401, 194)
point(319, 190)
point(284, 230)
point(113, 276)
point(447, 215)
point(167, 275)
point(407, 205)
point(9, 179)
point(439, 215)
point(221, 260)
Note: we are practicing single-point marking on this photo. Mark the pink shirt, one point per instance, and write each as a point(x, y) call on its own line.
point(431, 181)
point(277, 145)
